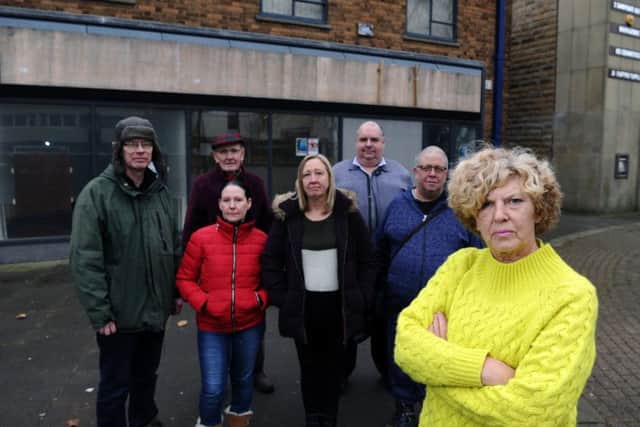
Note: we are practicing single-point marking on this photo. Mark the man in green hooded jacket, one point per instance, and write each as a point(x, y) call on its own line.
point(125, 249)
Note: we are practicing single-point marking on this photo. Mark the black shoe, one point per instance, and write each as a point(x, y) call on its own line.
point(263, 384)
point(155, 423)
point(313, 420)
point(405, 415)
point(328, 421)
point(320, 420)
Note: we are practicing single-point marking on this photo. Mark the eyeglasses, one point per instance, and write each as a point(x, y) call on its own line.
point(133, 145)
point(429, 168)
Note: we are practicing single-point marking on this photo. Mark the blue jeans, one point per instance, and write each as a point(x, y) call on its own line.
point(223, 354)
point(402, 387)
point(128, 366)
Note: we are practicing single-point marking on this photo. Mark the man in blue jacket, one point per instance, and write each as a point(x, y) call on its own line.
point(418, 233)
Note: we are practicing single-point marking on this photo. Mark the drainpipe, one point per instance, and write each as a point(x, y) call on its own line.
point(496, 135)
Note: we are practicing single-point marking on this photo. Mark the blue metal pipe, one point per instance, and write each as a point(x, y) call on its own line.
point(496, 131)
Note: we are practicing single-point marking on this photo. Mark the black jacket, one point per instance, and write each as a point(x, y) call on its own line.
point(283, 277)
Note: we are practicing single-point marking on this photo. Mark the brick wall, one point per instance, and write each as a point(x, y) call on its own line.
point(475, 23)
point(532, 69)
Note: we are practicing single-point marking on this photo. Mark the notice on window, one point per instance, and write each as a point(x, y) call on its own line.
point(301, 147)
point(313, 145)
point(306, 146)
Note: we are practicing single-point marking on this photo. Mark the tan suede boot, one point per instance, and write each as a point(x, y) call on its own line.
point(232, 419)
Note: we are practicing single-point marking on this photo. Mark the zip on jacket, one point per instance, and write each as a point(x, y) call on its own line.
point(234, 242)
point(221, 269)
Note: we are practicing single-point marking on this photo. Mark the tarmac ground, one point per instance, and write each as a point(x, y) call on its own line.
point(49, 358)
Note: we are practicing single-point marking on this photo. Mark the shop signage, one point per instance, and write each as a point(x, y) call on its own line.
point(624, 75)
point(622, 166)
point(624, 52)
point(627, 31)
point(625, 7)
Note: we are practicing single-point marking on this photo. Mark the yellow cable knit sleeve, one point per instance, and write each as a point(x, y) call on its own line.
point(550, 377)
point(426, 358)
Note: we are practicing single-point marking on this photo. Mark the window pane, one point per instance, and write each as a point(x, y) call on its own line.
point(443, 11)
point(306, 10)
point(42, 168)
point(280, 7)
point(418, 16)
point(288, 129)
point(438, 134)
point(442, 30)
point(402, 139)
point(467, 140)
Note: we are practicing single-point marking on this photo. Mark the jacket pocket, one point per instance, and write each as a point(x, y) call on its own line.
point(259, 301)
point(247, 301)
point(219, 306)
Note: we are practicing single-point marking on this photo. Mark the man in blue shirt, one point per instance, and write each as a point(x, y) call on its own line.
point(376, 181)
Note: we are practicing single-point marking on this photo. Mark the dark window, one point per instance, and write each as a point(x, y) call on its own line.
point(288, 131)
point(433, 19)
point(458, 139)
point(42, 168)
point(55, 120)
point(69, 120)
point(303, 10)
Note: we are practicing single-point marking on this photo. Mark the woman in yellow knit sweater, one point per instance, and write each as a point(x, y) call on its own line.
point(502, 336)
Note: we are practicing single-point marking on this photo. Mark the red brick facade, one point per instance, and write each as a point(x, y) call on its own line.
point(475, 24)
point(532, 71)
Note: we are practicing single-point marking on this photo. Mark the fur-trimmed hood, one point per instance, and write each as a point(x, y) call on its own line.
point(286, 204)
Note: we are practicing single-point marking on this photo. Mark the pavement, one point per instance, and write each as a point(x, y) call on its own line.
point(49, 358)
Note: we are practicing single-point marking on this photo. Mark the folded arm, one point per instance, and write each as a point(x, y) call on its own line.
point(424, 356)
point(547, 381)
point(552, 375)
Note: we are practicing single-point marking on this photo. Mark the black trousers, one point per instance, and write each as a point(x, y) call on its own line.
point(378, 351)
point(322, 356)
point(128, 366)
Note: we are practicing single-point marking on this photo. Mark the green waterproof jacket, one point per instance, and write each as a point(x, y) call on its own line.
point(125, 250)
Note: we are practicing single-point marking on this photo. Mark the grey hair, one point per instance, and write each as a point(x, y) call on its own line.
point(429, 150)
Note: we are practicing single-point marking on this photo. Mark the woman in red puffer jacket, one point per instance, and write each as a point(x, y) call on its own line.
point(220, 277)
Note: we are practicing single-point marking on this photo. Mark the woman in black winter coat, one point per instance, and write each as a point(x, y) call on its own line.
point(318, 269)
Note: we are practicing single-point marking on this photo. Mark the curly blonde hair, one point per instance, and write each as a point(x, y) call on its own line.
point(475, 177)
